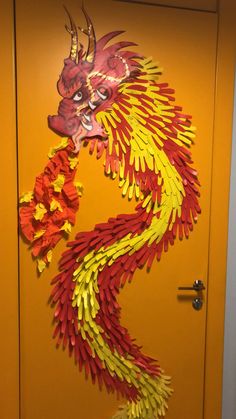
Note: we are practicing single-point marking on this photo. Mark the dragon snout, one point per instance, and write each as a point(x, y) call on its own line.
point(85, 126)
point(63, 126)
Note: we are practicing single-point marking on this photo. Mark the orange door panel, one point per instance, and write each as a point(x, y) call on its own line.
point(159, 315)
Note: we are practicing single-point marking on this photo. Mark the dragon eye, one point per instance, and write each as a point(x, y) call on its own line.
point(78, 96)
point(102, 93)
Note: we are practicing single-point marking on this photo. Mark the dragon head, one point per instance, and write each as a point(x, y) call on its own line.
point(111, 99)
point(89, 83)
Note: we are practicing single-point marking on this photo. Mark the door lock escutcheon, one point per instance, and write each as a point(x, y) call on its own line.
point(197, 303)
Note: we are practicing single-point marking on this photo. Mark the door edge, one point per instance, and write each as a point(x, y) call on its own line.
point(9, 319)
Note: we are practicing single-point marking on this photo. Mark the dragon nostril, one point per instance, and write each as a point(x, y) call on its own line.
point(70, 124)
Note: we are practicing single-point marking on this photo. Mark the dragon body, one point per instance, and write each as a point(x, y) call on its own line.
point(113, 102)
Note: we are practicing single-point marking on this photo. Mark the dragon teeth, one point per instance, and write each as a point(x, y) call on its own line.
point(103, 97)
point(92, 106)
point(86, 126)
point(87, 117)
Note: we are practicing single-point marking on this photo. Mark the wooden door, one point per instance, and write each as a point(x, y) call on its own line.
point(155, 312)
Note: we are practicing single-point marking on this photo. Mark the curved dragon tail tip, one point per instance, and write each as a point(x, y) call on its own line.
point(152, 405)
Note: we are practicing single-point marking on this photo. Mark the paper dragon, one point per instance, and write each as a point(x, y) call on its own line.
point(112, 102)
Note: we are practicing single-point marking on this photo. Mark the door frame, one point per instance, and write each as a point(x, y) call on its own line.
point(9, 319)
point(221, 163)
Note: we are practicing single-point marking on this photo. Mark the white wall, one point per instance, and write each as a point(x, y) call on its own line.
point(229, 383)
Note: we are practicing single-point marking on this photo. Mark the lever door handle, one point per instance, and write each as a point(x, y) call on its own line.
point(197, 286)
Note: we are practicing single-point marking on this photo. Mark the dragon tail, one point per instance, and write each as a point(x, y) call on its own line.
point(93, 270)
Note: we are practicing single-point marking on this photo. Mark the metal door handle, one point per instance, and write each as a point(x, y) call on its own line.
point(197, 286)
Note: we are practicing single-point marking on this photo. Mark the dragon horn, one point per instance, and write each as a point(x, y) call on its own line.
point(72, 30)
point(90, 54)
